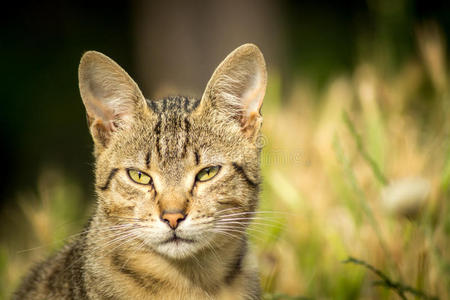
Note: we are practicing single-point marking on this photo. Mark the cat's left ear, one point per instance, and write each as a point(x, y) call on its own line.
point(112, 99)
point(237, 88)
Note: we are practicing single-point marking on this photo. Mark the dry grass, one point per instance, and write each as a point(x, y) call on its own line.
point(364, 172)
point(358, 169)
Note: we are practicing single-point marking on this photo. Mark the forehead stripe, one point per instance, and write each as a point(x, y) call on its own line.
point(166, 105)
point(147, 159)
point(157, 131)
point(187, 127)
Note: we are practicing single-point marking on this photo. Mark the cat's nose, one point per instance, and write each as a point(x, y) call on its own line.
point(173, 218)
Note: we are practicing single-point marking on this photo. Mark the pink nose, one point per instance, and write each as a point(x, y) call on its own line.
point(172, 218)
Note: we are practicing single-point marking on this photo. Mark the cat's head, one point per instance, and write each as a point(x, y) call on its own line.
point(178, 174)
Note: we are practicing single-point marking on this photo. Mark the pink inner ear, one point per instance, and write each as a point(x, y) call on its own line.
point(101, 131)
point(251, 125)
point(253, 97)
point(98, 109)
point(238, 84)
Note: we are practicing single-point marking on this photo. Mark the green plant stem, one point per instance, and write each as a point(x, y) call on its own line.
point(398, 287)
point(359, 192)
point(373, 165)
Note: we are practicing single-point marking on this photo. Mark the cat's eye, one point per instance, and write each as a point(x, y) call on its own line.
point(139, 176)
point(207, 173)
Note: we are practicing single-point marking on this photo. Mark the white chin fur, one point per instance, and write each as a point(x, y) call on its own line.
point(178, 250)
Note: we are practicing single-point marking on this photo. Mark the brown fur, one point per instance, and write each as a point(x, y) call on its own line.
point(129, 250)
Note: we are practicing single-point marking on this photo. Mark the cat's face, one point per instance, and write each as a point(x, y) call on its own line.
point(176, 175)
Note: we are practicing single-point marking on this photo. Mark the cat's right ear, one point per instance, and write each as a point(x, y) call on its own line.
point(111, 98)
point(237, 87)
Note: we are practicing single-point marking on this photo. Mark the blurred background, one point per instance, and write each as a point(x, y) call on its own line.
point(356, 157)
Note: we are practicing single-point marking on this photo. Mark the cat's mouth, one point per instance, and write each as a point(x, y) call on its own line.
point(177, 240)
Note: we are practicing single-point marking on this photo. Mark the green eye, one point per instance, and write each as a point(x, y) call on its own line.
point(207, 173)
point(139, 177)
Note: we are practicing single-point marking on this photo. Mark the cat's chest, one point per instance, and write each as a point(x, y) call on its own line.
point(149, 278)
point(134, 286)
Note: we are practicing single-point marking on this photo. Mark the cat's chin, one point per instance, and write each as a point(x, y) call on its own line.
point(178, 248)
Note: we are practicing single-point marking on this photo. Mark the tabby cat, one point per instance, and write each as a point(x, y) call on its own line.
point(177, 183)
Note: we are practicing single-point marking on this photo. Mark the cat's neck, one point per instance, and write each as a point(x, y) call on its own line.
point(208, 268)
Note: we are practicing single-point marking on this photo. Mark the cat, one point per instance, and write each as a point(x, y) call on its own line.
point(177, 184)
